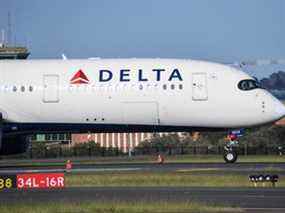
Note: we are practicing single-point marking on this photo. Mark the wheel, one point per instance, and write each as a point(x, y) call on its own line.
point(230, 157)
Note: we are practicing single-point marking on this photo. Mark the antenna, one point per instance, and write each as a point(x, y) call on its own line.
point(9, 36)
point(14, 34)
point(3, 37)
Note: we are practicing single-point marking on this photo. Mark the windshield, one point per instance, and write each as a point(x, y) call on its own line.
point(249, 84)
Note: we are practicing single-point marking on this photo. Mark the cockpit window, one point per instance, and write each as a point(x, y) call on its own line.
point(248, 84)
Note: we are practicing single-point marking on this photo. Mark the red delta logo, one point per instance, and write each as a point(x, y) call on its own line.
point(79, 78)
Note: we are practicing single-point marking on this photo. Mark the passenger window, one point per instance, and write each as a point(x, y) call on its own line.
point(172, 86)
point(31, 88)
point(164, 86)
point(180, 86)
point(22, 88)
point(14, 89)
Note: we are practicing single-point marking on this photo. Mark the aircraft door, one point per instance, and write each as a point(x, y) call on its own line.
point(199, 87)
point(51, 89)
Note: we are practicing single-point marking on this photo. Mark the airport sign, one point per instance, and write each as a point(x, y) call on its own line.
point(40, 180)
point(32, 181)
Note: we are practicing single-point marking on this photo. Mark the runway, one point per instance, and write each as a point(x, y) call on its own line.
point(251, 198)
point(151, 167)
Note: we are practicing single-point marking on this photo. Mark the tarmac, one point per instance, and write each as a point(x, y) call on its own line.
point(252, 200)
point(247, 168)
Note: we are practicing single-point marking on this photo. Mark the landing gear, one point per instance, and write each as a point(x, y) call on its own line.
point(230, 157)
point(230, 152)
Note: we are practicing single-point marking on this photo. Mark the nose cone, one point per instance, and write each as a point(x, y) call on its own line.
point(279, 109)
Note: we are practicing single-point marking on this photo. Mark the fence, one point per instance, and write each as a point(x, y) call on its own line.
point(96, 151)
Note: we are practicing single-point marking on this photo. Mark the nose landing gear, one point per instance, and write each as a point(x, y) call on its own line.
point(230, 150)
point(230, 154)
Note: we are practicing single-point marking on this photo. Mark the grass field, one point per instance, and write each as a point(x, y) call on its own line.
point(145, 159)
point(201, 178)
point(113, 207)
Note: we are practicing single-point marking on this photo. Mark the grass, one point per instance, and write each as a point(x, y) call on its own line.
point(196, 178)
point(219, 159)
point(116, 207)
point(145, 159)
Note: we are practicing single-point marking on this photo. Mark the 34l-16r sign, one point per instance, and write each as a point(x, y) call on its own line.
point(44, 180)
point(32, 181)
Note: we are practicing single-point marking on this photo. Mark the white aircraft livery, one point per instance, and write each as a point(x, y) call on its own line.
point(127, 95)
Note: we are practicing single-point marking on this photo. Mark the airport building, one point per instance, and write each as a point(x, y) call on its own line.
point(7, 52)
point(62, 138)
point(12, 52)
point(123, 141)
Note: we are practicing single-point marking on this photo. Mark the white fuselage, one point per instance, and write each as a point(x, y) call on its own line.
point(156, 92)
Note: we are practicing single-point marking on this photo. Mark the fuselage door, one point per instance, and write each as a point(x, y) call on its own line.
point(51, 89)
point(199, 87)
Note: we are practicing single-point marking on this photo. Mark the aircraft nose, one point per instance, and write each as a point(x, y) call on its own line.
point(279, 109)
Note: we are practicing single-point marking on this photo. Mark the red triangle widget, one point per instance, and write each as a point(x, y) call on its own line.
point(79, 78)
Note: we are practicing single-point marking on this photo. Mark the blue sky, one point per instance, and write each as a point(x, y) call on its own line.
point(219, 30)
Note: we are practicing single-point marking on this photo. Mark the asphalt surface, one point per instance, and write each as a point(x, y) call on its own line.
point(257, 199)
point(247, 168)
point(253, 200)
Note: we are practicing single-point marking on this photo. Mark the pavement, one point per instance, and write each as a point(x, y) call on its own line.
point(250, 199)
point(247, 168)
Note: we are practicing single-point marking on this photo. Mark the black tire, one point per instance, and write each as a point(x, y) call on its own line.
point(230, 157)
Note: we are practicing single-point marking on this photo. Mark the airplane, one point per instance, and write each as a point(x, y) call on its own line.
point(128, 95)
